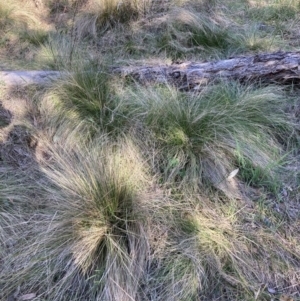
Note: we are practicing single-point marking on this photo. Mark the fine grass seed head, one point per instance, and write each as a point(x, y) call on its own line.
point(91, 242)
point(198, 134)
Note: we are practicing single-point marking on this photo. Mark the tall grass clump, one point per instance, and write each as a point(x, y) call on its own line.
point(202, 136)
point(253, 39)
point(19, 33)
point(189, 31)
point(276, 11)
point(5, 15)
point(57, 125)
point(34, 37)
point(16, 19)
point(90, 242)
point(101, 15)
point(86, 94)
point(215, 251)
point(62, 52)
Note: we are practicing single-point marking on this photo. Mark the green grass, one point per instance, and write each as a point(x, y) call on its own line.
point(6, 15)
point(34, 37)
point(259, 177)
point(276, 11)
point(21, 33)
point(212, 245)
point(87, 95)
point(154, 216)
point(199, 135)
point(189, 31)
point(95, 239)
point(145, 192)
point(100, 15)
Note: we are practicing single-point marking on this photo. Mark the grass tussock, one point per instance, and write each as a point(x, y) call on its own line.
point(15, 19)
point(5, 15)
point(114, 191)
point(105, 233)
point(21, 33)
point(101, 15)
point(216, 243)
point(61, 53)
point(87, 95)
point(96, 240)
point(189, 32)
point(150, 209)
point(204, 137)
point(275, 11)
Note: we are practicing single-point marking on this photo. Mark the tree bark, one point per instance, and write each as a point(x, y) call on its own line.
point(278, 67)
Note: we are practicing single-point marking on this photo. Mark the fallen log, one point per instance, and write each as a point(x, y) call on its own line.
point(279, 67)
point(28, 77)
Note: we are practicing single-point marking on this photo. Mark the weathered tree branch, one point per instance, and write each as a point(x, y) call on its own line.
point(279, 67)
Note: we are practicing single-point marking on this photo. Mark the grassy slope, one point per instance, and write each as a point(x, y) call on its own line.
point(113, 191)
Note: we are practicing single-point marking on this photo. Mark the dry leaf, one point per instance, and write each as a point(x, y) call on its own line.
point(272, 290)
point(233, 174)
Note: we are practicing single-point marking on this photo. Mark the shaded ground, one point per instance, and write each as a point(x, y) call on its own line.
point(17, 144)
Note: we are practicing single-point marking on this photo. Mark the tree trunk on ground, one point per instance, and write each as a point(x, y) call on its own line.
point(28, 77)
point(279, 68)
